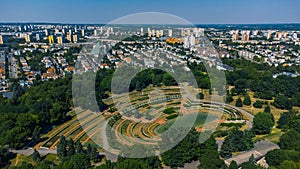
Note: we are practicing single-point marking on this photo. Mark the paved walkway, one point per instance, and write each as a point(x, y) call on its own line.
point(259, 151)
point(29, 151)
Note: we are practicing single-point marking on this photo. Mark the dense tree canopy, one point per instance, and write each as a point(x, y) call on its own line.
point(184, 152)
point(290, 141)
point(41, 105)
point(289, 120)
point(210, 159)
point(236, 141)
point(276, 157)
point(263, 123)
point(258, 78)
point(290, 165)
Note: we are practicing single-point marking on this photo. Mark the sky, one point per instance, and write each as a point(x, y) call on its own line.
point(195, 11)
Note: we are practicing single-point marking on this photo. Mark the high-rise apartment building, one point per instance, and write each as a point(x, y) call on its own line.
point(69, 37)
point(28, 38)
point(75, 39)
point(1, 39)
point(82, 33)
point(60, 39)
point(51, 39)
point(245, 37)
point(170, 33)
point(235, 37)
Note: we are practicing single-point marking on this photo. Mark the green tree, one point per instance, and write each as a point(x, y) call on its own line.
point(258, 104)
point(137, 114)
point(71, 148)
point(209, 144)
point(233, 165)
point(277, 156)
point(263, 123)
point(132, 163)
point(92, 152)
point(210, 159)
point(184, 152)
point(247, 100)
point(168, 80)
point(148, 116)
point(156, 80)
point(282, 102)
point(239, 102)
point(36, 156)
point(229, 98)
point(236, 141)
point(107, 165)
point(57, 113)
point(62, 147)
point(250, 164)
point(36, 134)
point(295, 123)
point(289, 165)
point(290, 141)
point(45, 165)
point(267, 109)
point(23, 165)
point(78, 147)
point(4, 157)
point(286, 118)
point(80, 161)
point(25, 121)
point(200, 96)
point(296, 99)
point(241, 86)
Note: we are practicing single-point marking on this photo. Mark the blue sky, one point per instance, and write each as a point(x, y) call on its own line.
point(195, 11)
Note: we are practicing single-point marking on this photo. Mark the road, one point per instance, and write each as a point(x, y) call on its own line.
point(13, 72)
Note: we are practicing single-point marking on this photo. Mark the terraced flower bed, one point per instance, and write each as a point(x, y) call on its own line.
point(144, 126)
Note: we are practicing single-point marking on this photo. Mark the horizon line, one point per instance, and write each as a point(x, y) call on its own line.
point(66, 23)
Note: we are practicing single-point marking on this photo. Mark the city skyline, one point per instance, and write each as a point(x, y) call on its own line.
point(95, 12)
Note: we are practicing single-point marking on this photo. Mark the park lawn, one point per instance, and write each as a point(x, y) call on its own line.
point(220, 138)
point(244, 127)
point(53, 158)
point(201, 119)
point(72, 113)
point(207, 96)
point(170, 89)
point(251, 109)
point(162, 128)
point(28, 159)
point(21, 158)
point(274, 136)
point(275, 111)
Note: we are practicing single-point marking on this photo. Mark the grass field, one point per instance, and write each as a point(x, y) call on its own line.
point(28, 159)
point(273, 136)
point(275, 111)
point(21, 158)
point(201, 118)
